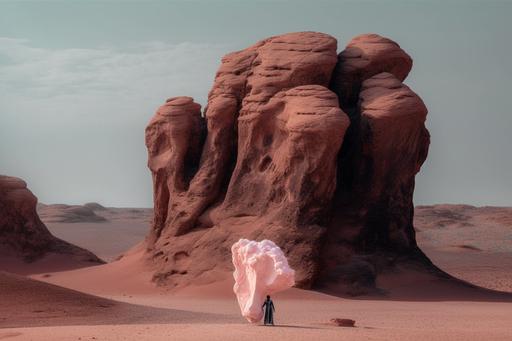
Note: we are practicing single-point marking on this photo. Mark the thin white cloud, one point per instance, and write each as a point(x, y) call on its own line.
point(143, 70)
point(72, 119)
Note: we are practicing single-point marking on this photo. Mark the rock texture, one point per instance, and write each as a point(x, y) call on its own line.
point(22, 234)
point(373, 204)
point(365, 56)
point(174, 138)
point(313, 150)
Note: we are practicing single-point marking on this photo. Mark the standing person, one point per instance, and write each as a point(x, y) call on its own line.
point(269, 311)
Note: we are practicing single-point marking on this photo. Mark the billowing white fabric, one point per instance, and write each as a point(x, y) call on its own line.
point(261, 269)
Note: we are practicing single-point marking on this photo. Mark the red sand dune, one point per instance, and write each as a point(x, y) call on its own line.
point(30, 303)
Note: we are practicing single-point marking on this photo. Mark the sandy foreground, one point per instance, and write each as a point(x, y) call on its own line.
point(118, 301)
point(300, 316)
point(471, 243)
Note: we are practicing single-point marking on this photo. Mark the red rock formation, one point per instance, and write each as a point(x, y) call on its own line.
point(394, 146)
point(373, 205)
point(291, 180)
point(174, 140)
point(365, 56)
point(23, 234)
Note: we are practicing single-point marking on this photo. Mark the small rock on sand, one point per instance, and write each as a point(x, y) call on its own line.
point(343, 322)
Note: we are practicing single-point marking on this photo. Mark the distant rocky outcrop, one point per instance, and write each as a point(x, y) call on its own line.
point(23, 235)
point(61, 213)
point(95, 206)
point(313, 150)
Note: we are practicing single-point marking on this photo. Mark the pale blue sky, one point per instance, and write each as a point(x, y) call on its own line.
point(79, 80)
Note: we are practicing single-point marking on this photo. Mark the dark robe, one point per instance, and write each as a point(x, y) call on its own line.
point(269, 312)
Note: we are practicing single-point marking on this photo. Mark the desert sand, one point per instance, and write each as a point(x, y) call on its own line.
point(471, 243)
point(99, 235)
point(118, 301)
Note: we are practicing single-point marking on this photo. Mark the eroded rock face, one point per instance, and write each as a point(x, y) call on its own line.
point(22, 233)
point(365, 56)
point(261, 269)
point(282, 160)
point(373, 205)
point(290, 179)
point(174, 138)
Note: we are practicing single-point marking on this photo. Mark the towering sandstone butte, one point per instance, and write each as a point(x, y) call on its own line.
point(23, 235)
point(281, 160)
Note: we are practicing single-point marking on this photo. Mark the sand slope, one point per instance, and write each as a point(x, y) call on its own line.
point(301, 315)
point(28, 303)
point(414, 306)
